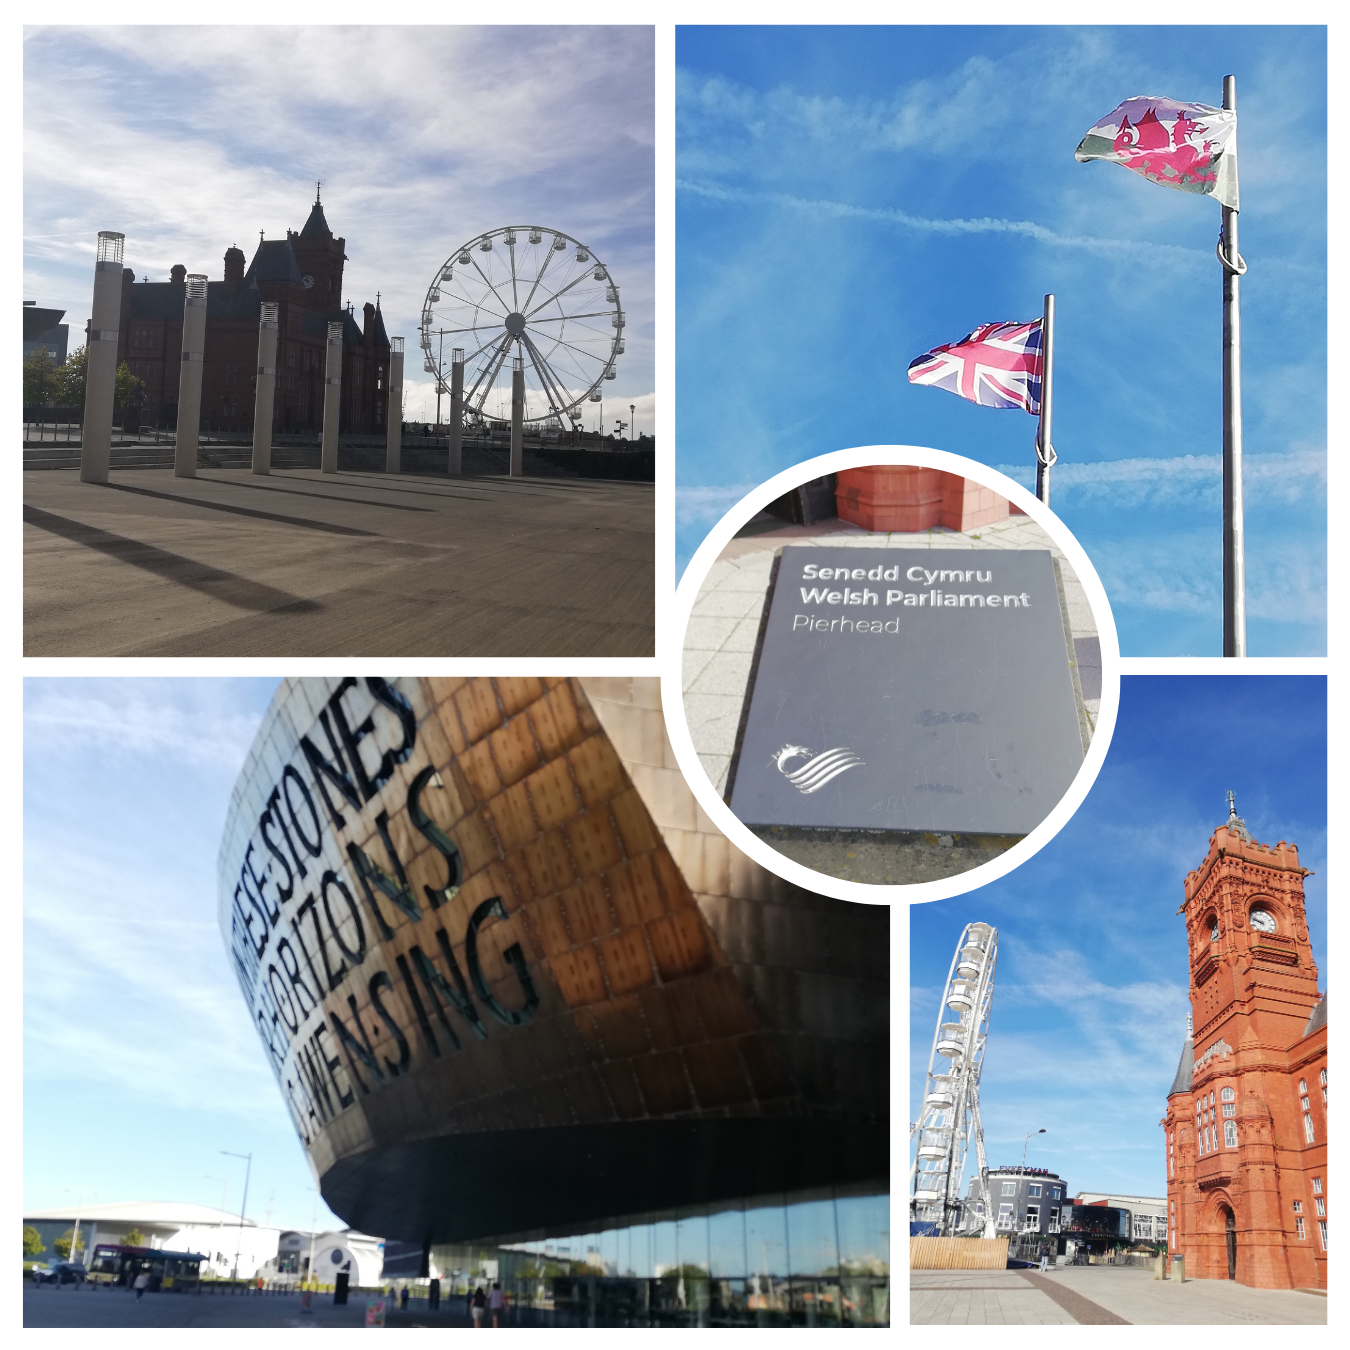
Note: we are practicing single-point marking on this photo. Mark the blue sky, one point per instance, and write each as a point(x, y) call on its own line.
point(1090, 999)
point(140, 1062)
point(189, 140)
point(848, 198)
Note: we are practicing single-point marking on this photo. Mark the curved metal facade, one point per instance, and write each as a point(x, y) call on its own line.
point(510, 979)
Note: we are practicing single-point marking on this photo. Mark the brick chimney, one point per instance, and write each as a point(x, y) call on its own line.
point(368, 326)
point(178, 274)
point(234, 264)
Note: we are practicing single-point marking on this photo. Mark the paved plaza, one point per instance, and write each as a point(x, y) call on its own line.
point(1099, 1296)
point(350, 564)
point(719, 649)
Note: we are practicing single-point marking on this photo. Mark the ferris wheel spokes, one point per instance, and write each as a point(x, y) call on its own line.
point(547, 377)
point(488, 370)
point(949, 1118)
point(502, 294)
point(548, 258)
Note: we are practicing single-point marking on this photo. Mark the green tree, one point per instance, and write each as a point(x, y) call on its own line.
point(37, 377)
point(68, 380)
point(129, 390)
point(62, 1245)
point(32, 1241)
point(135, 1238)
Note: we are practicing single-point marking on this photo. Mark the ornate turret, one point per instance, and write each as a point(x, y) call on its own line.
point(1251, 957)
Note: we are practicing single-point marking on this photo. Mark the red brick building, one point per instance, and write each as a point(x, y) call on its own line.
point(303, 274)
point(1246, 1123)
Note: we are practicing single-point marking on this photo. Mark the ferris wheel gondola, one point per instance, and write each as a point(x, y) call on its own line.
point(531, 294)
point(949, 1115)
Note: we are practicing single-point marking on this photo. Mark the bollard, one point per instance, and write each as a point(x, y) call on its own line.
point(456, 409)
point(264, 399)
point(332, 398)
point(1160, 1266)
point(1178, 1270)
point(100, 377)
point(517, 416)
point(190, 377)
point(393, 417)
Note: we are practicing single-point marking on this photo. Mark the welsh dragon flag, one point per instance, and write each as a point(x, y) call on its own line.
point(1188, 146)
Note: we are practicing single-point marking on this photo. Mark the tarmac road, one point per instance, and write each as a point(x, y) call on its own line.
point(94, 1306)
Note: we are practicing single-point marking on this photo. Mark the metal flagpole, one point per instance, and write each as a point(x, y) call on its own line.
point(1045, 452)
point(1234, 562)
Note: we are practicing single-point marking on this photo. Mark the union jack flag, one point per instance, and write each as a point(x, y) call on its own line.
point(999, 365)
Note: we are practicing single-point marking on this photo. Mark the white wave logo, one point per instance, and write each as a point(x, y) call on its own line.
point(818, 769)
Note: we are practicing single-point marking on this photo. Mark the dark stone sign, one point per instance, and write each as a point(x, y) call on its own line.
point(910, 689)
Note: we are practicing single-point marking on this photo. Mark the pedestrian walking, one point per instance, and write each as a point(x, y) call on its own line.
point(496, 1303)
point(478, 1304)
point(403, 1297)
point(142, 1284)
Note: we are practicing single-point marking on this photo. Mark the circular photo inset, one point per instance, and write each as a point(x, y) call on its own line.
point(893, 672)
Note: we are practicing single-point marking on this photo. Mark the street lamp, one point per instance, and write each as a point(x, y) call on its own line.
point(313, 1219)
point(248, 1158)
point(1024, 1148)
point(632, 418)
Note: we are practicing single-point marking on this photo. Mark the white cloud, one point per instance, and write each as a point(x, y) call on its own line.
point(1299, 474)
point(822, 207)
point(191, 139)
point(164, 721)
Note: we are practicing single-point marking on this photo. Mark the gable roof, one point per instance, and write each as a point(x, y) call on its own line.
point(377, 328)
point(1185, 1068)
point(316, 224)
point(274, 261)
point(1318, 1017)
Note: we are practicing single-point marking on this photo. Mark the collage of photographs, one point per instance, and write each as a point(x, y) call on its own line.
point(610, 860)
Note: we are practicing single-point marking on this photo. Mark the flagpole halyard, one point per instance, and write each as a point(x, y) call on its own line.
point(1045, 451)
point(1234, 559)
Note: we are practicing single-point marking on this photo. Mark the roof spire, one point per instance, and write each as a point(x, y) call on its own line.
point(317, 186)
point(377, 299)
point(1235, 824)
point(1190, 1025)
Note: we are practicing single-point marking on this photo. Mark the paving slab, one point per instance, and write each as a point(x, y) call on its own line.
point(352, 564)
point(1102, 1296)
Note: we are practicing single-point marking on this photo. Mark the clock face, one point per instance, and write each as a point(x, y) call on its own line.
point(307, 281)
point(1263, 921)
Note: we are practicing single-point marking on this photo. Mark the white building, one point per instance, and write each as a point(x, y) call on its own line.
point(227, 1244)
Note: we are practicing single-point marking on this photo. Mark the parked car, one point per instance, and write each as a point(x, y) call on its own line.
point(59, 1272)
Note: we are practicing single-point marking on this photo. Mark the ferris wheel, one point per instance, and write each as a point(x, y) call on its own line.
point(949, 1118)
point(537, 296)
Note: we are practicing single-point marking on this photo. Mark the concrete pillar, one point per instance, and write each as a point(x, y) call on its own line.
point(1178, 1270)
point(190, 377)
point(517, 416)
point(456, 409)
point(332, 398)
point(393, 413)
point(100, 372)
point(265, 397)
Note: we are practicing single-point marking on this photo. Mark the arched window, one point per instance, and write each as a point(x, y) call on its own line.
point(1230, 1133)
point(1226, 1095)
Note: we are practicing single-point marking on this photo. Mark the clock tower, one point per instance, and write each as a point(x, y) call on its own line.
point(320, 257)
point(1246, 1123)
